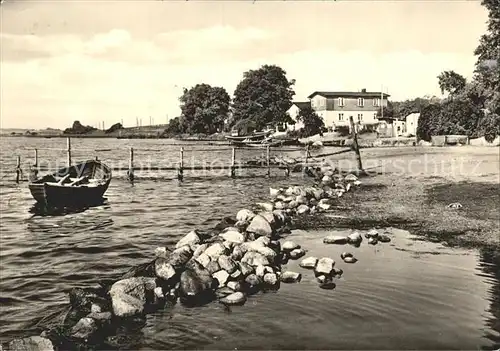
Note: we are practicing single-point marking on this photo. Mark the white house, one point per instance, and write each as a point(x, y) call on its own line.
point(294, 111)
point(336, 107)
point(398, 128)
point(411, 124)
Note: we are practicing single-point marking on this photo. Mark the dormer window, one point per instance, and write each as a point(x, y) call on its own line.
point(341, 102)
point(361, 102)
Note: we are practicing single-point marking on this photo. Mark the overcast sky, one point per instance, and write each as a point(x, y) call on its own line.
point(117, 60)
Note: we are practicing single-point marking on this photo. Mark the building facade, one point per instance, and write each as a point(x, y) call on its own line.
point(411, 124)
point(337, 107)
point(294, 111)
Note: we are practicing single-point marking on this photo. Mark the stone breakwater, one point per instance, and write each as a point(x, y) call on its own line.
point(241, 256)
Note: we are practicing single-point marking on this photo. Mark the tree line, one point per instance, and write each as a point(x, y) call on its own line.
point(261, 98)
point(472, 107)
point(264, 96)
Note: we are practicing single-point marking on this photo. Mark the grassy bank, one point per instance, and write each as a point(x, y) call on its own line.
point(411, 189)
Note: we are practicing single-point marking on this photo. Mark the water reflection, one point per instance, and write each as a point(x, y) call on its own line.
point(489, 267)
point(44, 210)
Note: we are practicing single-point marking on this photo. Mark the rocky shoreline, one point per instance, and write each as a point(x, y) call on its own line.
point(239, 257)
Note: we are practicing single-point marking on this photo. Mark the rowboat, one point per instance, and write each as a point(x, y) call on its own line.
point(80, 185)
point(244, 139)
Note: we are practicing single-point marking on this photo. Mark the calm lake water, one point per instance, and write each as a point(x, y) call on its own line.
point(409, 294)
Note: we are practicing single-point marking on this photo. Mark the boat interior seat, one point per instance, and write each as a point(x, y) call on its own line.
point(78, 181)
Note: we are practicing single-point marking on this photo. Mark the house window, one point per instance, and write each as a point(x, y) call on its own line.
point(361, 102)
point(341, 102)
point(360, 117)
point(376, 102)
point(375, 115)
point(341, 116)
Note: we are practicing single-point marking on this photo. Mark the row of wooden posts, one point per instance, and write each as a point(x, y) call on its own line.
point(180, 168)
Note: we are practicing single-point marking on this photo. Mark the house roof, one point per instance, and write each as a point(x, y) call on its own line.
point(354, 94)
point(302, 104)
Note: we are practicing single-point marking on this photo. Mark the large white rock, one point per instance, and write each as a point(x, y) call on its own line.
point(161, 251)
point(372, 233)
point(199, 250)
point(266, 206)
point(32, 343)
point(233, 236)
point(302, 200)
point(244, 215)
point(303, 209)
point(180, 256)
point(259, 225)
point(189, 239)
point(163, 269)
point(227, 264)
point(203, 259)
point(325, 266)
point(279, 205)
point(308, 262)
point(350, 178)
point(355, 238)
point(128, 296)
point(324, 206)
point(255, 259)
point(222, 276)
point(236, 286)
point(245, 268)
point(195, 280)
point(290, 277)
point(270, 279)
point(326, 180)
point(335, 239)
point(289, 246)
point(215, 250)
point(274, 192)
point(84, 328)
point(237, 298)
point(263, 240)
point(297, 253)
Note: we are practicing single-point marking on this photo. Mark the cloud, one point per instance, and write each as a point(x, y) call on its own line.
point(113, 75)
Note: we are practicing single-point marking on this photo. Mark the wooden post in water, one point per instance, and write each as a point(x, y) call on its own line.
point(180, 170)
point(18, 169)
point(233, 163)
point(68, 143)
point(268, 161)
point(305, 163)
point(355, 145)
point(36, 159)
point(130, 172)
point(34, 169)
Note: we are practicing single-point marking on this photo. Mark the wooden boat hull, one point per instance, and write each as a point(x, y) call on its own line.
point(60, 195)
point(48, 191)
point(237, 140)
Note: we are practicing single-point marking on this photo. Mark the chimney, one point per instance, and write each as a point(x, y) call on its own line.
point(363, 90)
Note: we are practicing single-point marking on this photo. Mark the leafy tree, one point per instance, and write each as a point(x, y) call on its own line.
point(203, 109)
point(78, 128)
point(263, 96)
point(313, 124)
point(388, 110)
point(427, 122)
point(476, 109)
point(173, 127)
point(114, 127)
point(451, 82)
point(487, 72)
